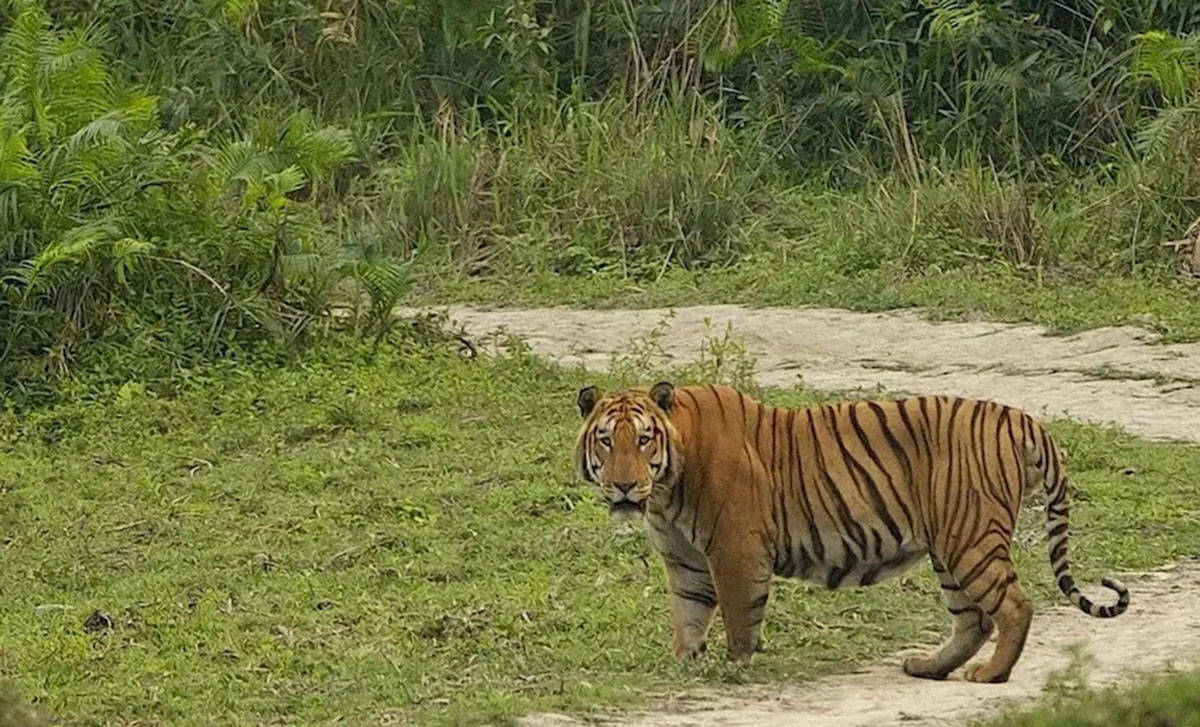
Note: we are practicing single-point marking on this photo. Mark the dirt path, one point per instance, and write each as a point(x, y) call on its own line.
point(1109, 375)
point(1112, 375)
point(1160, 632)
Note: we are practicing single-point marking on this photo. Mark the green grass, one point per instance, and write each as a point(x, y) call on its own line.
point(396, 536)
point(1171, 702)
point(959, 242)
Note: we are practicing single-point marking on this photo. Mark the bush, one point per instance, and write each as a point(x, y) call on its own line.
point(302, 154)
point(168, 245)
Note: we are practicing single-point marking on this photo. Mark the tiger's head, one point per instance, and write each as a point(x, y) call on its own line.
point(628, 446)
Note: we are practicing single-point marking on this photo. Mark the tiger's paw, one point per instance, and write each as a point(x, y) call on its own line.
point(691, 651)
point(924, 667)
point(741, 653)
point(981, 674)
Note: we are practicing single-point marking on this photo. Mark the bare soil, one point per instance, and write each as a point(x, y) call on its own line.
point(1105, 376)
point(1118, 376)
point(1160, 632)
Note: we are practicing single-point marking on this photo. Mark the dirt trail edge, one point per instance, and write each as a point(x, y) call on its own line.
point(1104, 376)
point(1107, 376)
point(1158, 633)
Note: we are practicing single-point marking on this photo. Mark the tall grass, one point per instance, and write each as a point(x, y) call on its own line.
point(583, 186)
point(974, 214)
point(187, 178)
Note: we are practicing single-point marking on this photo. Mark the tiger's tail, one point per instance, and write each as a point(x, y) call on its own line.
point(1044, 463)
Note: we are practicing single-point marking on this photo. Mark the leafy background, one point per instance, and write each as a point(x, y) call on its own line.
point(197, 179)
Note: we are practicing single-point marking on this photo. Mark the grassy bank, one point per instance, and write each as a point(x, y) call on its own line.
point(1065, 304)
point(395, 535)
point(1171, 701)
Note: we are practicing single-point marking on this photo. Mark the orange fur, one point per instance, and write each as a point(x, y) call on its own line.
point(734, 491)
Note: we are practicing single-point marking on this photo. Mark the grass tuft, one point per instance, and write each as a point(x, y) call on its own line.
point(1170, 700)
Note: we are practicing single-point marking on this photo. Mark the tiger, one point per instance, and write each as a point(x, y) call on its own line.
point(732, 491)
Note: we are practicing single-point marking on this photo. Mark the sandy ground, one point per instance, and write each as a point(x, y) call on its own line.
point(1159, 632)
point(1109, 376)
point(1104, 376)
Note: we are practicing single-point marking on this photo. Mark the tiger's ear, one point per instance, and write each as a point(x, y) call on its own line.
point(663, 394)
point(586, 401)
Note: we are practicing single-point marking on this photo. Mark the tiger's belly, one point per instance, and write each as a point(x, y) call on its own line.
point(843, 565)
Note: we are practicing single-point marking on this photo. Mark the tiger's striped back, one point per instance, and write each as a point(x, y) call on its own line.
point(848, 494)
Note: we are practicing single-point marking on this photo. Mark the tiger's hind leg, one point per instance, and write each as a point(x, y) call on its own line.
point(971, 629)
point(995, 589)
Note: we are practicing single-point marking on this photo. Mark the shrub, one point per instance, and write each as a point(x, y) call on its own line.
point(169, 245)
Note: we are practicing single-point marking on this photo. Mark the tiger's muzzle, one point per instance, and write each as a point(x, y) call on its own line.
point(625, 502)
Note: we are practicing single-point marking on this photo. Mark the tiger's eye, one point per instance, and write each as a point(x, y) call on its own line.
point(605, 441)
point(643, 440)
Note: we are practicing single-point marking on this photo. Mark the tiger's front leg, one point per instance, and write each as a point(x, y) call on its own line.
point(693, 600)
point(693, 596)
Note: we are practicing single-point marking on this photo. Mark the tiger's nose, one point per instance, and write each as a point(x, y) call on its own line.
point(624, 487)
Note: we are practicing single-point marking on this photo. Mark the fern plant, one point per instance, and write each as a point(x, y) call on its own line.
point(1168, 63)
point(112, 227)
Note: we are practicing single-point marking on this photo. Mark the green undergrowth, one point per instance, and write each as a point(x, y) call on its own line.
point(1172, 701)
point(190, 181)
point(394, 535)
point(958, 244)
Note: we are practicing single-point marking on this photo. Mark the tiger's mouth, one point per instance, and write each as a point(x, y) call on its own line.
point(626, 509)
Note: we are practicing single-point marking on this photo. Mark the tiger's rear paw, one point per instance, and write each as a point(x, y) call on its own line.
point(739, 657)
point(924, 667)
point(694, 651)
point(982, 674)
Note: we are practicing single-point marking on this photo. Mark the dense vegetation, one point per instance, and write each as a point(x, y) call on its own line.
point(184, 180)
